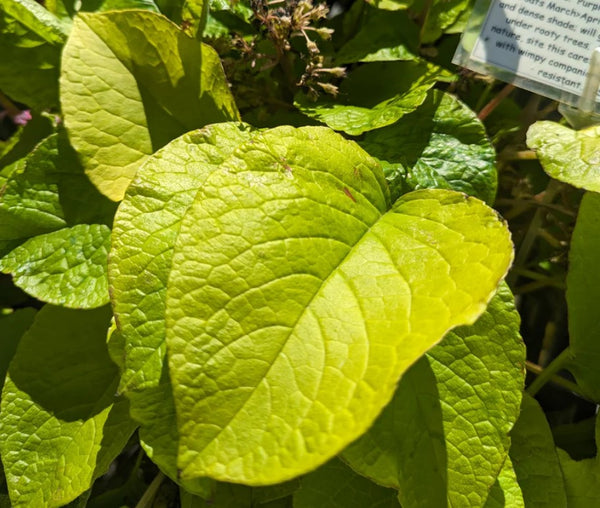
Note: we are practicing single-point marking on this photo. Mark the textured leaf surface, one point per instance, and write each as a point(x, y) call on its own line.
point(296, 220)
point(131, 82)
point(444, 145)
point(31, 41)
point(49, 191)
point(335, 485)
point(366, 104)
point(145, 230)
point(583, 294)
point(444, 437)
point(60, 423)
point(568, 155)
point(66, 267)
point(506, 493)
point(534, 459)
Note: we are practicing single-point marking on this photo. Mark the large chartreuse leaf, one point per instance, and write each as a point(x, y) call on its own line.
point(145, 230)
point(132, 81)
point(443, 145)
point(534, 459)
point(365, 103)
point(66, 267)
point(297, 297)
point(583, 294)
point(506, 493)
point(335, 485)
point(60, 422)
point(31, 40)
point(444, 437)
point(568, 155)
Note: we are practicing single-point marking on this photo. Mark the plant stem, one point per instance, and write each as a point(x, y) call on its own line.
point(519, 155)
point(551, 191)
point(493, 104)
point(549, 374)
point(151, 491)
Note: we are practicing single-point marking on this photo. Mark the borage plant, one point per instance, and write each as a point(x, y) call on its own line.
point(213, 299)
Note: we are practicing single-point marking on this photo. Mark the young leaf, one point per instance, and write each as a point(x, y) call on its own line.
point(506, 493)
point(132, 81)
point(534, 458)
point(440, 15)
point(294, 221)
point(335, 485)
point(443, 145)
point(568, 155)
point(444, 437)
point(60, 422)
point(583, 294)
point(31, 40)
point(66, 267)
point(366, 104)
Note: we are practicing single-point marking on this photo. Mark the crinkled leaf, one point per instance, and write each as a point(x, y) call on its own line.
point(440, 15)
point(506, 493)
point(568, 155)
point(583, 294)
point(293, 221)
point(383, 36)
point(440, 145)
point(365, 104)
point(335, 485)
point(60, 422)
point(13, 326)
point(66, 267)
point(31, 40)
point(145, 229)
point(48, 191)
point(444, 437)
point(534, 459)
point(132, 81)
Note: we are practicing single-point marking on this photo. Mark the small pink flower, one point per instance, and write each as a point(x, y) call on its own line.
point(22, 118)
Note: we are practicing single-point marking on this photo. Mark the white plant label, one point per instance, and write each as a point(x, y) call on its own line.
point(549, 42)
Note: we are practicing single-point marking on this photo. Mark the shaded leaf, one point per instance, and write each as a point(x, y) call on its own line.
point(365, 104)
point(534, 459)
point(383, 36)
point(61, 424)
point(335, 485)
point(444, 437)
point(13, 326)
point(440, 145)
point(568, 155)
point(441, 14)
point(31, 40)
point(131, 82)
point(583, 292)
point(66, 267)
point(582, 480)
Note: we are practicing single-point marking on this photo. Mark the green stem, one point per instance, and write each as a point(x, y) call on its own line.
point(534, 226)
point(549, 373)
point(151, 491)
